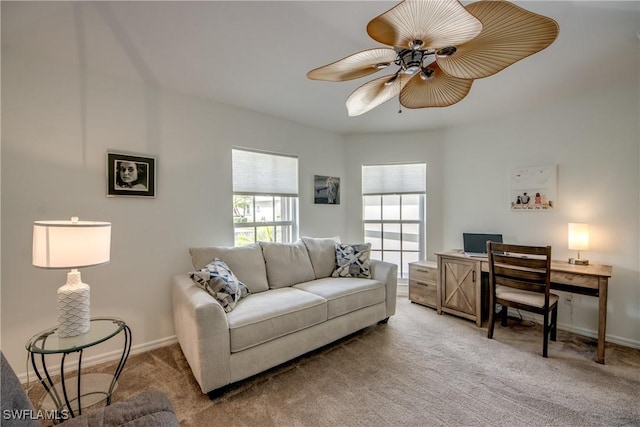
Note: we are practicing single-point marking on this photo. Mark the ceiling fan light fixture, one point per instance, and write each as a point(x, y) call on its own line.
point(426, 73)
point(416, 44)
point(391, 80)
point(412, 69)
point(446, 51)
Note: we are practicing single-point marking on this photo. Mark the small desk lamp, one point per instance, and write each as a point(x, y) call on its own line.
point(578, 241)
point(71, 244)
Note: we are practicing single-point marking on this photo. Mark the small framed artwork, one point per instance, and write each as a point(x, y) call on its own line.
point(132, 175)
point(533, 189)
point(326, 190)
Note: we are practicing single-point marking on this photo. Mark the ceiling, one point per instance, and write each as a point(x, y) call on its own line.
point(255, 55)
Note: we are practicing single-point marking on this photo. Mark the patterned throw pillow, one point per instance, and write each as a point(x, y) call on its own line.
point(353, 261)
point(220, 282)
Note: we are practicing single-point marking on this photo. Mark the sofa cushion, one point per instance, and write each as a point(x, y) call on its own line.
point(345, 295)
point(268, 315)
point(322, 253)
point(287, 263)
point(220, 282)
point(246, 262)
point(353, 260)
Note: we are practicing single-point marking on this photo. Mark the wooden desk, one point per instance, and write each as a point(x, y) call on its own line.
point(592, 280)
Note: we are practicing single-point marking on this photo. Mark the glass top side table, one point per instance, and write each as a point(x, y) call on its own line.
point(67, 400)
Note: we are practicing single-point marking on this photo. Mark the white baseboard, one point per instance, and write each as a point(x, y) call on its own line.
point(594, 334)
point(103, 358)
point(584, 331)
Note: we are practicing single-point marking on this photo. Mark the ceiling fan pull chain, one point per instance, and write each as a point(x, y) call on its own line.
point(399, 103)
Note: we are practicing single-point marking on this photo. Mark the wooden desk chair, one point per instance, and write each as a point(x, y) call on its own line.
point(519, 277)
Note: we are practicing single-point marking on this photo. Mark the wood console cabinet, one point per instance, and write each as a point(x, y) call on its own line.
point(423, 283)
point(460, 288)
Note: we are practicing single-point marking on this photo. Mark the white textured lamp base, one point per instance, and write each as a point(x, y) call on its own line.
point(73, 306)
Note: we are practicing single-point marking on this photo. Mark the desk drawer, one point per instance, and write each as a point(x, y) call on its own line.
point(583, 281)
point(424, 273)
point(423, 293)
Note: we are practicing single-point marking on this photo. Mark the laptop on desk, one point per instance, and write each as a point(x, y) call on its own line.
point(475, 244)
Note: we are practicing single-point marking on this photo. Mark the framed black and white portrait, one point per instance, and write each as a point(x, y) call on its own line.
point(130, 175)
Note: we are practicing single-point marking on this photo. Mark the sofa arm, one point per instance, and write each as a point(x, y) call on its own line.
point(203, 333)
point(387, 273)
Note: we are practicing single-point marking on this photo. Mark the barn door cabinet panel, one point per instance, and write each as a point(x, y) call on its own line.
point(460, 286)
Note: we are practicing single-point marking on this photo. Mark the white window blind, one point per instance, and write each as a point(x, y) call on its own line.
point(394, 179)
point(264, 173)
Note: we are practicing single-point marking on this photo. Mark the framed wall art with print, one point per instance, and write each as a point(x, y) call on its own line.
point(326, 190)
point(130, 175)
point(533, 189)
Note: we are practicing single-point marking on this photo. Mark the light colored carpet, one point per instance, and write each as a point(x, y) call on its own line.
point(420, 369)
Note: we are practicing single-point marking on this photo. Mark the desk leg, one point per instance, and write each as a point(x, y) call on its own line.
point(603, 285)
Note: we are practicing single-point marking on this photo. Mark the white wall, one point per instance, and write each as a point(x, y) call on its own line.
point(397, 148)
point(58, 123)
point(57, 126)
point(594, 141)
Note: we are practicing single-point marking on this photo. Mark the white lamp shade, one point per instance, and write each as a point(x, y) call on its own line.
point(578, 236)
point(71, 244)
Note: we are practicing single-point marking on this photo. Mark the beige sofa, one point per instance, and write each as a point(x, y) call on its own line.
point(295, 306)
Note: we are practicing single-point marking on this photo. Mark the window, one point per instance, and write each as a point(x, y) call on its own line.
point(265, 197)
point(394, 212)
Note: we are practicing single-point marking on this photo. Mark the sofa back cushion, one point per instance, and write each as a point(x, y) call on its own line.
point(322, 253)
point(287, 263)
point(246, 262)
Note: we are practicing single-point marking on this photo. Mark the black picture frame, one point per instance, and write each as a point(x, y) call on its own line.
point(326, 190)
point(131, 175)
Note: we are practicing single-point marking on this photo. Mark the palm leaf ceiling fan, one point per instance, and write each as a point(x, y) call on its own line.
point(440, 47)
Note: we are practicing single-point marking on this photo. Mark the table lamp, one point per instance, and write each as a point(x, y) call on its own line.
point(578, 241)
point(71, 245)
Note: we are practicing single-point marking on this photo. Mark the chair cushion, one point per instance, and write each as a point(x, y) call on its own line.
point(322, 253)
point(246, 262)
point(287, 263)
point(345, 295)
point(524, 297)
point(267, 315)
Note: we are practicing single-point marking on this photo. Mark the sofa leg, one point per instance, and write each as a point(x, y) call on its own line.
point(383, 321)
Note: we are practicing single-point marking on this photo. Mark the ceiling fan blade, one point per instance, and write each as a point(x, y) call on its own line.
point(438, 23)
point(354, 66)
point(440, 90)
point(509, 34)
point(374, 93)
